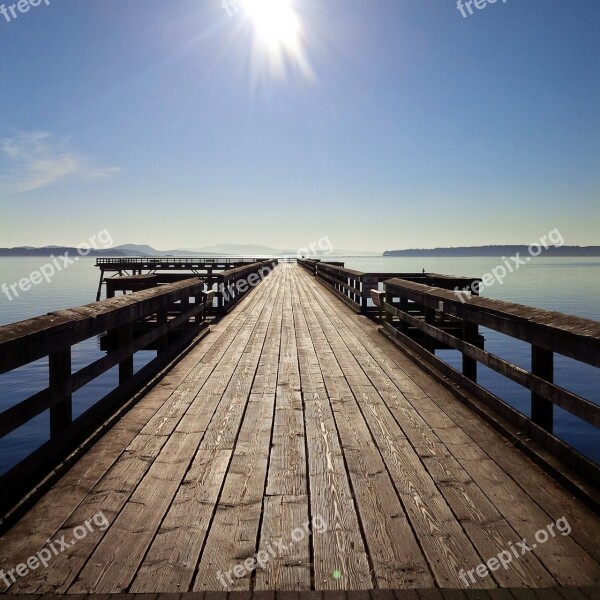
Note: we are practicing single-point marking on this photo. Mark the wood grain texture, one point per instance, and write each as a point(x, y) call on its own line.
point(293, 409)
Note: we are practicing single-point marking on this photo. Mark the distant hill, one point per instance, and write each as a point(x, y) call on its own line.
point(256, 250)
point(56, 251)
point(238, 250)
point(231, 250)
point(146, 250)
point(499, 251)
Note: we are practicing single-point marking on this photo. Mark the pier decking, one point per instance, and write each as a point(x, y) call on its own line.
point(296, 410)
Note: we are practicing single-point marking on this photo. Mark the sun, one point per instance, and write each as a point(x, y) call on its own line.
point(277, 24)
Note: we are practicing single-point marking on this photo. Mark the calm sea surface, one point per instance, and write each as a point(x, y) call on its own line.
point(567, 285)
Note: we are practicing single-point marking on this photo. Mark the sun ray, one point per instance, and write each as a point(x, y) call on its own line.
point(278, 36)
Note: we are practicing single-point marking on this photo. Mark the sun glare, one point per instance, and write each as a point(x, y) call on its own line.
point(276, 22)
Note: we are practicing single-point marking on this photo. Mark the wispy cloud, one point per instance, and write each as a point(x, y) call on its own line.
point(36, 160)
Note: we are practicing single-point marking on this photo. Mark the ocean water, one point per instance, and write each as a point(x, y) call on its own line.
point(568, 285)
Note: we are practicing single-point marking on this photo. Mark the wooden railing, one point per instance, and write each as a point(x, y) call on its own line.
point(232, 285)
point(166, 261)
point(167, 318)
point(412, 307)
point(355, 287)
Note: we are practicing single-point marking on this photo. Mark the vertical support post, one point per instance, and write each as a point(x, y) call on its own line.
point(124, 338)
point(367, 284)
point(163, 342)
point(404, 308)
point(185, 307)
point(61, 414)
point(429, 342)
point(469, 365)
point(542, 365)
point(99, 292)
point(220, 292)
point(198, 300)
point(389, 299)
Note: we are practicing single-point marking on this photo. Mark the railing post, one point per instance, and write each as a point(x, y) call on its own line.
point(366, 285)
point(61, 414)
point(429, 342)
point(469, 365)
point(220, 295)
point(404, 308)
point(382, 298)
point(163, 341)
point(388, 299)
point(185, 307)
point(124, 338)
point(542, 365)
point(198, 300)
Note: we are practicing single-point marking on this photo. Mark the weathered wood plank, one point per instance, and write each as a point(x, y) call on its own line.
point(286, 504)
point(340, 549)
point(489, 533)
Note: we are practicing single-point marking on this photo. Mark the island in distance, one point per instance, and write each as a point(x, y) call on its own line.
point(497, 250)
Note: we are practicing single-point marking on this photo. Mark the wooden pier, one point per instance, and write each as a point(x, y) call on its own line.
point(296, 413)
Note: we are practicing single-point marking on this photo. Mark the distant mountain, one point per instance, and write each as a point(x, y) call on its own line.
point(256, 250)
point(145, 250)
point(56, 251)
point(499, 251)
point(234, 250)
point(238, 250)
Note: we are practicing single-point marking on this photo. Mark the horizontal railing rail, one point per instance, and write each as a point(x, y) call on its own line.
point(174, 266)
point(168, 318)
point(232, 285)
point(164, 260)
point(355, 287)
point(413, 306)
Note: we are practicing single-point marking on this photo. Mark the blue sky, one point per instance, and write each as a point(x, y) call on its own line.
point(402, 124)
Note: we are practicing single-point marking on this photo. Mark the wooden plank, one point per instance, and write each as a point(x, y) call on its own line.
point(113, 490)
point(440, 536)
point(286, 502)
point(232, 536)
point(346, 337)
point(233, 533)
point(172, 527)
point(340, 549)
point(490, 533)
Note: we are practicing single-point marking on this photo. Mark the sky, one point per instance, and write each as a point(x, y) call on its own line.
point(381, 124)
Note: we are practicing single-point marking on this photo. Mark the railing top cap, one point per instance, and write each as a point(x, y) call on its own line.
point(568, 325)
point(245, 268)
point(67, 317)
point(324, 266)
